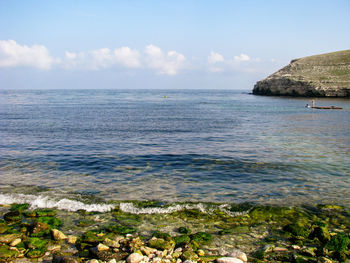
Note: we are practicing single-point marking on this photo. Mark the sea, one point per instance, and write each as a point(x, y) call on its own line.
point(72, 149)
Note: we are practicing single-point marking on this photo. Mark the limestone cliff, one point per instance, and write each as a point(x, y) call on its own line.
point(325, 75)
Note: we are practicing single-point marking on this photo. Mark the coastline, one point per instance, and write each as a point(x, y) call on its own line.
point(199, 232)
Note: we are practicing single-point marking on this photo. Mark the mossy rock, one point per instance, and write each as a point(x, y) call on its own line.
point(304, 259)
point(189, 255)
point(321, 233)
point(13, 216)
point(181, 240)
point(184, 230)
point(39, 229)
point(338, 243)
point(36, 253)
point(263, 214)
point(297, 229)
point(53, 222)
point(7, 253)
point(161, 244)
point(93, 237)
point(45, 212)
point(330, 206)
point(36, 243)
point(85, 223)
point(3, 228)
point(120, 229)
point(19, 207)
point(201, 237)
point(162, 235)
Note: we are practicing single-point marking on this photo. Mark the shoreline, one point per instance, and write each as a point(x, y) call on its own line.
point(264, 233)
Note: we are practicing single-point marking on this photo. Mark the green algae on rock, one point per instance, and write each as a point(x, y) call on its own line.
point(266, 233)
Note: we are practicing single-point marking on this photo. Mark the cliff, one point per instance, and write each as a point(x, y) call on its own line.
point(325, 75)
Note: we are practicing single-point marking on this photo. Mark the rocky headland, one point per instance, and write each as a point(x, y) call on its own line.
point(325, 75)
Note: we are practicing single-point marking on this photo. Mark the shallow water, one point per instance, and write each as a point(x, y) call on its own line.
point(217, 146)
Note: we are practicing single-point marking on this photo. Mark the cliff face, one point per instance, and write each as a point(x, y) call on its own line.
point(326, 75)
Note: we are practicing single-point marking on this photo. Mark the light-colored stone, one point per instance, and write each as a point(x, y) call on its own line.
point(15, 242)
point(58, 235)
point(229, 260)
point(148, 250)
point(236, 253)
point(8, 238)
point(179, 249)
point(111, 243)
point(53, 247)
point(102, 247)
point(296, 247)
point(112, 261)
point(134, 258)
point(156, 260)
point(178, 260)
point(200, 252)
point(280, 249)
point(92, 261)
point(72, 239)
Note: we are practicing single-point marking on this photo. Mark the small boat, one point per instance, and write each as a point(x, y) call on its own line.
point(327, 107)
point(323, 107)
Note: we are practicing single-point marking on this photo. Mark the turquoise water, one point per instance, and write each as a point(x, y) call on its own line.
point(191, 145)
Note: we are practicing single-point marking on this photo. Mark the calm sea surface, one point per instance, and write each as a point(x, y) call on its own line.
point(184, 145)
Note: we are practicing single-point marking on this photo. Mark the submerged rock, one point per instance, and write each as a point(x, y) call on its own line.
point(58, 235)
point(229, 260)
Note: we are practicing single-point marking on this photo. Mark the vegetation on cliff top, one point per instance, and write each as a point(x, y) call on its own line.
point(320, 75)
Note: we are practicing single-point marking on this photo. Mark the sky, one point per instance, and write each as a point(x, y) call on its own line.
point(182, 44)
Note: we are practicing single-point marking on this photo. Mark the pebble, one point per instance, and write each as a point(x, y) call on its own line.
point(229, 260)
point(296, 247)
point(111, 243)
point(236, 253)
point(280, 249)
point(53, 247)
point(8, 238)
point(58, 235)
point(148, 250)
point(101, 247)
point(72, 239)
point(93, 261)
point(15, 242)
point(112, 261)
point(134, 258)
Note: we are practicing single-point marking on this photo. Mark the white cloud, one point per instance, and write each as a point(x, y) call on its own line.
point(215, 58)
point(168, 64)
point(13, 54)
point(127, 57)
point(242, 57)
point(100, 58)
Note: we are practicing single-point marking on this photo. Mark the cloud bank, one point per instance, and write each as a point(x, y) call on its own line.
point(14, 55)
point(152, 58)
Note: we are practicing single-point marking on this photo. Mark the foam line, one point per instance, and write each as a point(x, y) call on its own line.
point(47, 202)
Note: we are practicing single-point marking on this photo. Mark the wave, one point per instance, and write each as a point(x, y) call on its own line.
point(47, 202)
point(42, 201)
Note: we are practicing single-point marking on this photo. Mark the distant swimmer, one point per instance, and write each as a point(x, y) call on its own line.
point(307, 106)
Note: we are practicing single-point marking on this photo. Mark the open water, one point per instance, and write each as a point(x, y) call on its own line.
point(173, 145)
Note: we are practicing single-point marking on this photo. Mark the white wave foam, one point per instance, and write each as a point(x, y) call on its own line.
point(47, 202)
point(130, 208)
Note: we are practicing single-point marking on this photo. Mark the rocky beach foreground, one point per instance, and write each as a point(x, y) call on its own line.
point(138, 232)
point(325, 75)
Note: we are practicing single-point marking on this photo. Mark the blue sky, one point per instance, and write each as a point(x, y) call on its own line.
point(161, 44)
